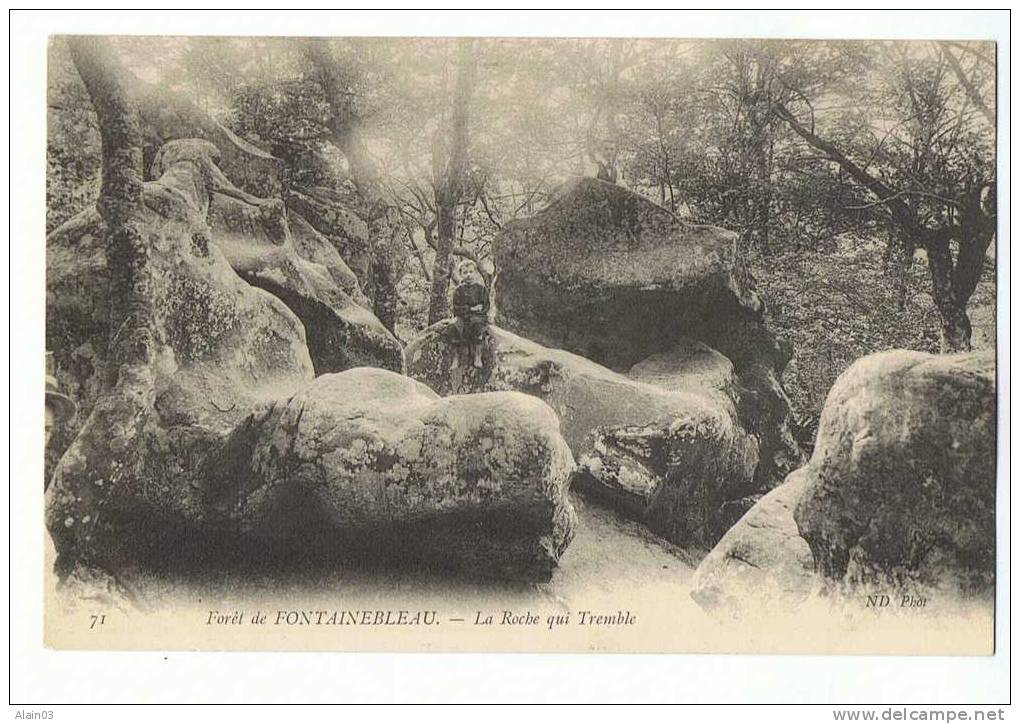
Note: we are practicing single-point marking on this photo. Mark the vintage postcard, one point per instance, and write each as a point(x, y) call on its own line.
point(521, 344)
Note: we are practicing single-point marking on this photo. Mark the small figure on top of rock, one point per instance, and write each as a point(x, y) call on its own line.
point(471, 312)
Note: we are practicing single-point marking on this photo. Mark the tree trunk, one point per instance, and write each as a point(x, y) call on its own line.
point(956, 329)
point(955, 325)
point(439, 307)
point(759, 122)
point(120, 196)
point(665, 179)
point(613, 112)
point(385, 302)
point(344, 124)
point(383, 263)
point(450, 187)
point(952, 286)
point(899, 257)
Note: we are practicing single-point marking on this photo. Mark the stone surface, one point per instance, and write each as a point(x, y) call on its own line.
point(344, 220)
point(342, 333)
point(167, 473)
point(167, 116)
point(901, 486)
point(898, 498)
point(674, 475)
point(316, 248)
point(474, 483)
point(609, 275)
point(329, 214)
point(691, 367)
point(667, 458)
point(366, 233)
point(217, 347)
point(761, 564)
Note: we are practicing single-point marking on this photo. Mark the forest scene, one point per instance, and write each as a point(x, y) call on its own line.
point(791, 144)
point(589, 284)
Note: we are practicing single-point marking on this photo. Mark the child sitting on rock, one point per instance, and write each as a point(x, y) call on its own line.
point(471, 313)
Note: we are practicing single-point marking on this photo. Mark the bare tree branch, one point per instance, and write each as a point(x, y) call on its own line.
point(968, 85)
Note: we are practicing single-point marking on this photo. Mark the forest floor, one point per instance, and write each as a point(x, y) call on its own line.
point(618, 588)
point(612, 567)
point(608, 556)
point(840, 303)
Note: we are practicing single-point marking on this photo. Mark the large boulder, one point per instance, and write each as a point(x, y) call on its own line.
point(216, 347)
point(474, 483)
point(901, 485)
point(254, 234)
point(609, 275)
point(612, 276)
point(342, 332)
point(897, 499)
point(206, 446)
point(669, 458)
point(694, 368)
point(761, 563)
point(168, 116)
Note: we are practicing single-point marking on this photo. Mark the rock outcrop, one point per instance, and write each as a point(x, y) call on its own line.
point(167, 116)
point(316, 248)
point(474, 483)
point(342, 332)
point(216, 348)
point(366, 233)
point(607, 274)
point(359, 230)
point(669, 458)
point(902, 481)
point(761, 564)
point(693, 367)
point(167, 473)
point(255, 236)
point(326, 212)
point(898, 497)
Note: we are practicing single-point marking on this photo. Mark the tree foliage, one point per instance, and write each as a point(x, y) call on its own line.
point(859, 175)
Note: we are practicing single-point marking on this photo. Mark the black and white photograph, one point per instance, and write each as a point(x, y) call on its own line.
point(538, 344)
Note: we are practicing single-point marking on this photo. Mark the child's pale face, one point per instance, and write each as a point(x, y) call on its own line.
point(49, 424)
point(467, 271)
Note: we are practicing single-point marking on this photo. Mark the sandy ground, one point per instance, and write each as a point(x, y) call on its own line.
point(608, 559)
point(618, 588)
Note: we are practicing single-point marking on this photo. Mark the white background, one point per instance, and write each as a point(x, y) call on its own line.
point(40, 676)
